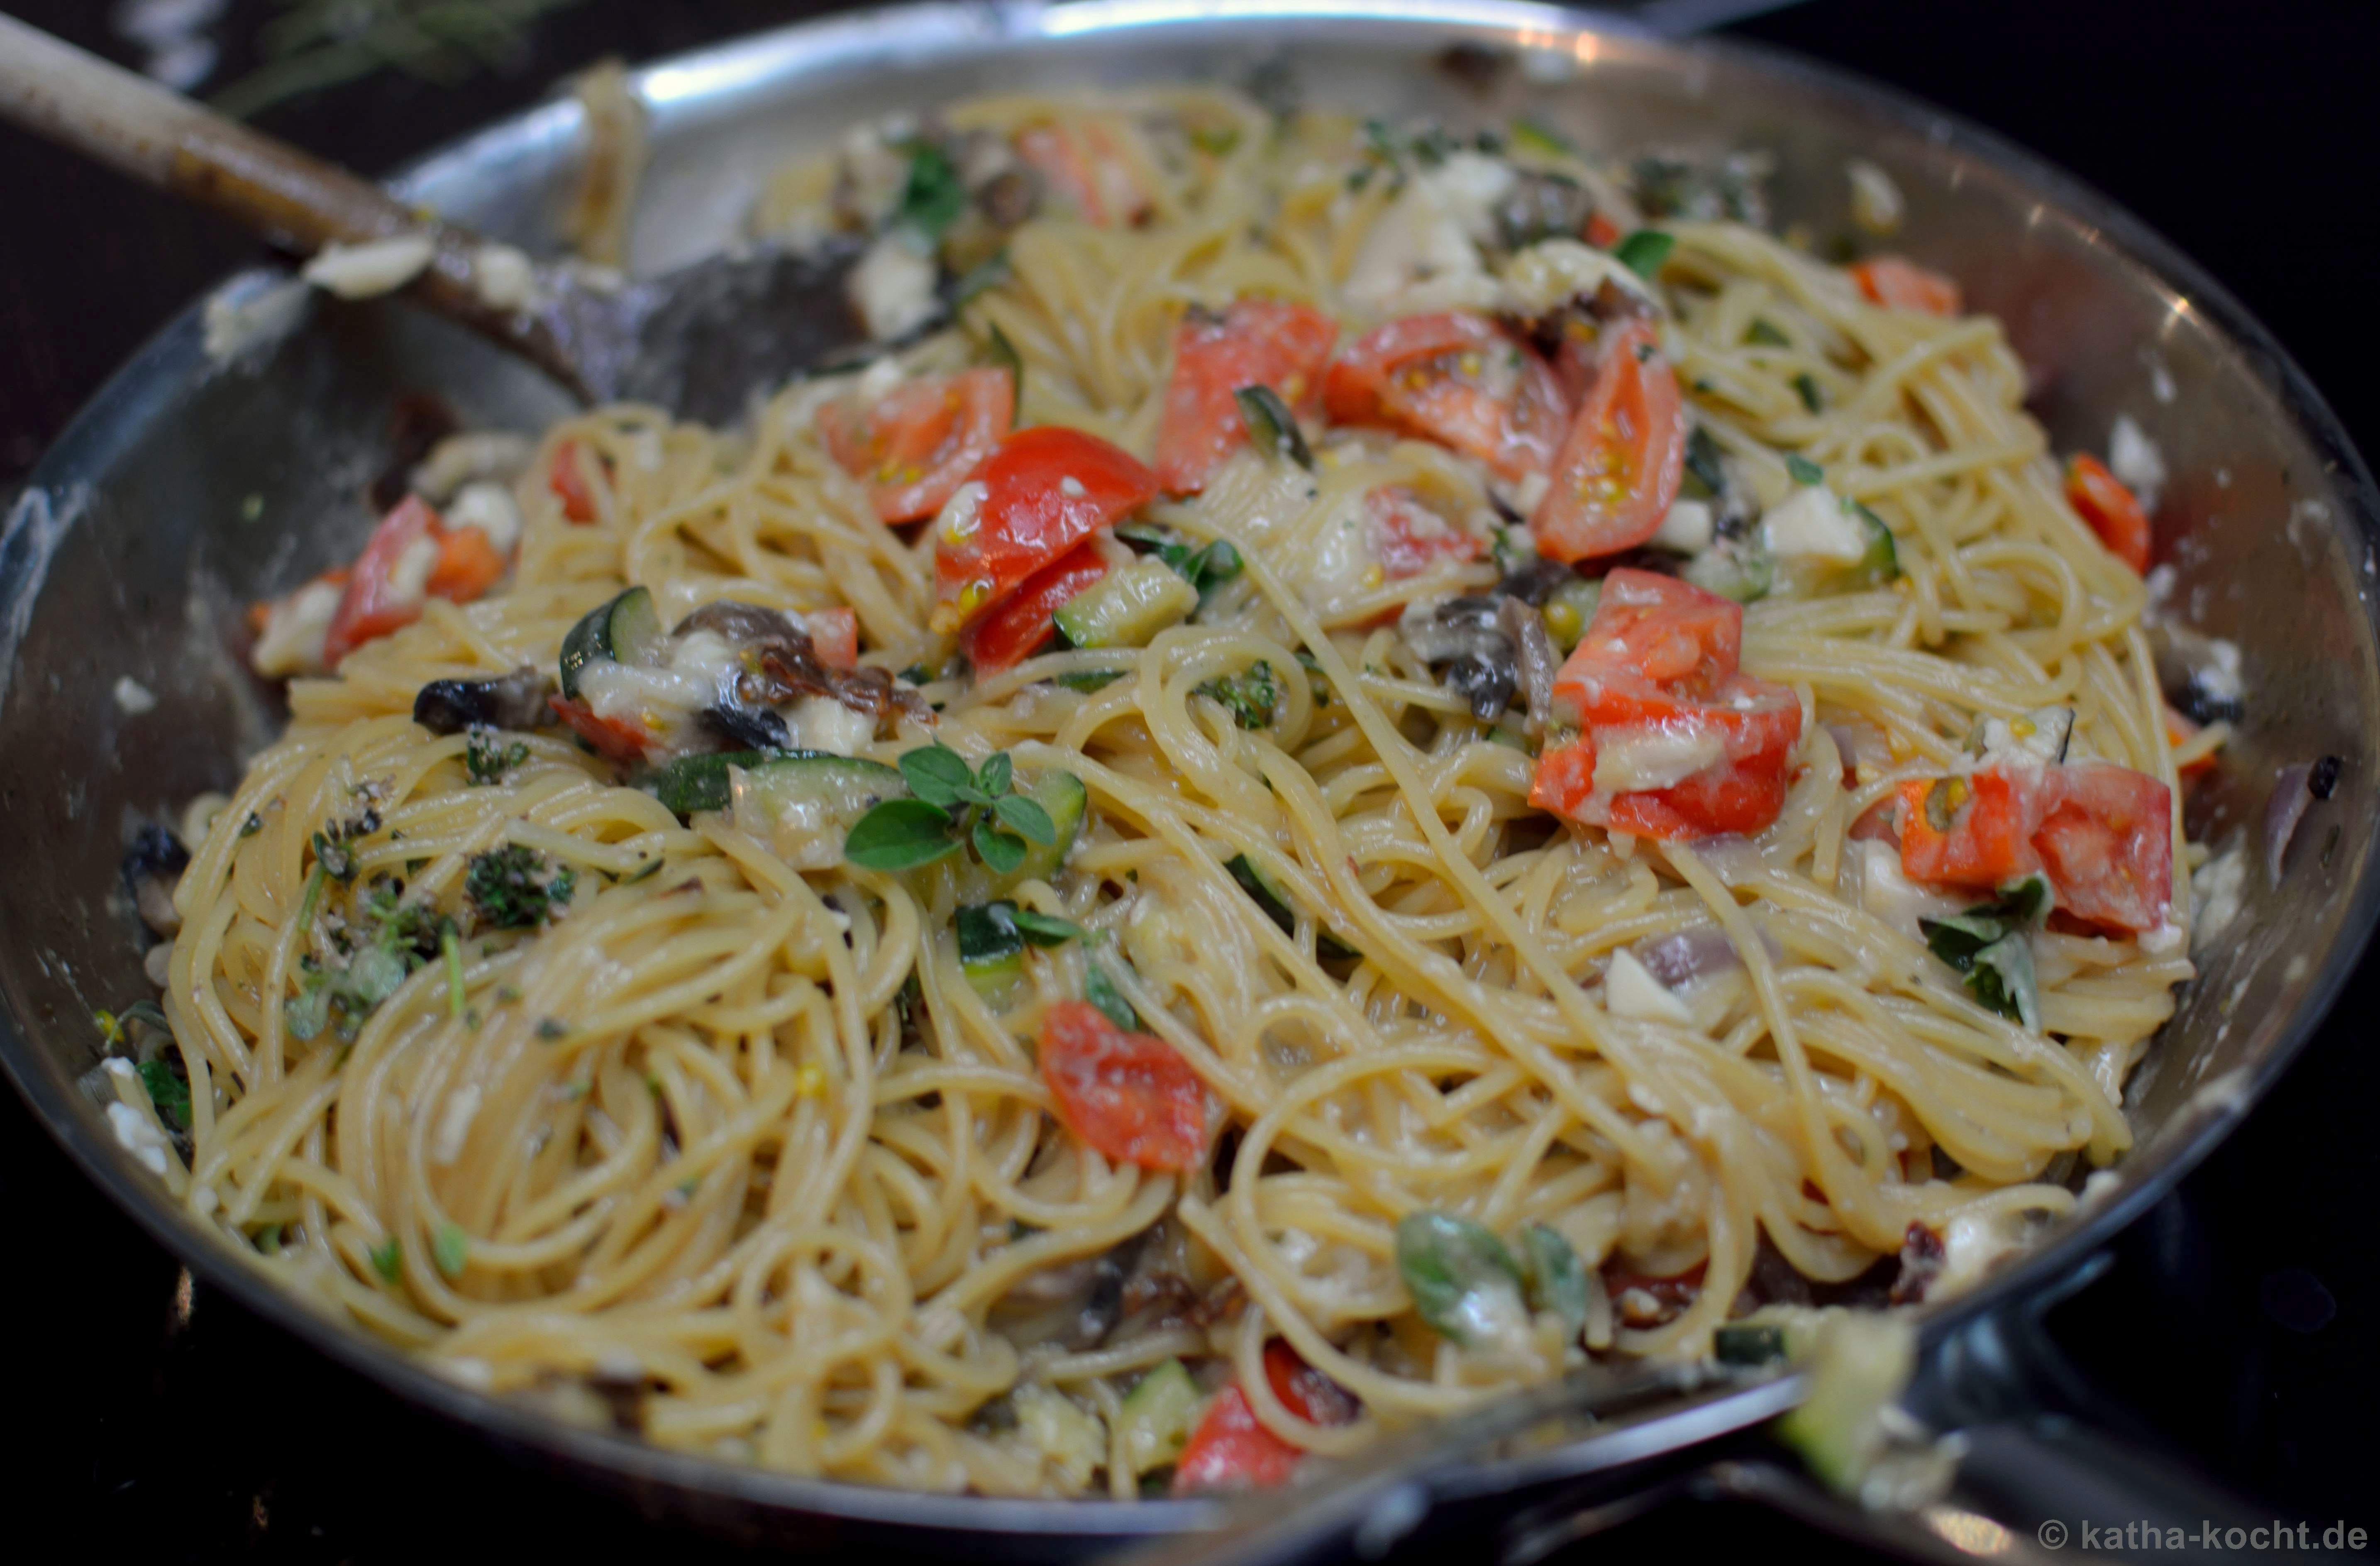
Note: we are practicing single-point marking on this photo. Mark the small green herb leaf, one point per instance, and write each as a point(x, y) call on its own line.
point(1001, 852)
point(1748, 1343)
point(1463, 1281)
point(167, 1091)
point(450, 1247)
point(515, 887)
point(936, 774)
point(1272, 428)
point(388, 1261)
point(1704, 465)
point(900, 834)
point(1091, 679)
point(1805, 386)
point(1643, 251)
point(1100, 991)
point(1045, 930)
point(997, 775)
point(1762, 335)
point(1250, 697)
point(934, 196)
point(1803, 470)
point(1557, 1279)
point(1026, 816)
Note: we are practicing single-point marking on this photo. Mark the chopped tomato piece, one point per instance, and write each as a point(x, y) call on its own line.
point(1457, 379)
point(2107, 840)
point(1303, 1389)
point(1656, 643)
point(1255, 342)
point(467, 565)
point(1231, 1452)
point(614, 737)
point(1015, 630)
point(566, 475)
point(834, 636)
point(2103, 501)
point(1126, 1094)
point(1045, 489)
point(1972, 829)
point(922, 440)
point(1620, 463)
point(1601, 232)
point(1674, 741)
point(2178, 731)
point(1897, 283)
point(390, 580)
point(1082, 165)
point(1408, 536)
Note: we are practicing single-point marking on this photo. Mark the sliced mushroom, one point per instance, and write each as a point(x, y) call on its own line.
point(152, 867)
point(517, 700)
point(1460, 639)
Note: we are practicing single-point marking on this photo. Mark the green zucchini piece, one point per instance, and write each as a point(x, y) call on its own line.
point(805, 804)
point(1881, 563)
point(1748, 1343)
point(701, 782)
point(1156, 1415)
point(1740, 571)
point(1062, 796)
point(1127, 607)
point(991, 949)
point(1266, 896)
point(627, 630)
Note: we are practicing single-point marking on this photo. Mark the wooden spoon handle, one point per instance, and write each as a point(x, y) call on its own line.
point(296, 201)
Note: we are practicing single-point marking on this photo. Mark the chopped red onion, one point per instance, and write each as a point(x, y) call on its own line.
point(1689, 954)
point(2291, 800)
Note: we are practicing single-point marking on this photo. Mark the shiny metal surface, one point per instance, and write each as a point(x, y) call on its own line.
point(186, 489)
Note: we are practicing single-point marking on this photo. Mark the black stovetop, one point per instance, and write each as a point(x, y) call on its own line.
point(2237, 1320)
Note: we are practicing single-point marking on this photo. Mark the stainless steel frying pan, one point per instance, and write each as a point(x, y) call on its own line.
point(189, 487)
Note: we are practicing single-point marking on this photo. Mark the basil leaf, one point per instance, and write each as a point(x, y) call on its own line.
point(1272, 428)
point(900, 834)
point(1214, 565)
point(1957, 939)
point(936, 773)
point(1044, 929)
point(2002, 979)
point(934, 196)
point(1464, 1281)
point(450, 1247)
point(1557, 1279)
point(1100, 991)
point(1803, 470)
point(1001, 852)
point(1026, 817)
point(1643, 251)
point(997, 773)
point(1806, 387)
point(1003, 355)
point(1763, 334)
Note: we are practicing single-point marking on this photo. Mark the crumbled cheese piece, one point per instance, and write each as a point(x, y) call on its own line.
point(1876, 204)
point(295, 630)
point(2027, 744)
point(1814, 520)
point(491, 509)
point(1687, 528)
point(877, 382)
point(2134, 458)
point(133, 696)
point(2220, 679)
point(821, 722)
point(366, 271)
point(2168, 937)
point(138, 1135)
point(1548, 275)
point(1630, 761)
point(892, 288)
point(235, 328)
point(505, 276)
point(1630, 990)
point(1420, 253)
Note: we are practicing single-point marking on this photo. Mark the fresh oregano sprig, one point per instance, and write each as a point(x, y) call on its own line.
point(950, 803)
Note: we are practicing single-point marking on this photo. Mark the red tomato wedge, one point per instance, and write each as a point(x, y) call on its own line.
point(1015, 631)
point(834, 636)
point(1255, 342)
point(566, 475)
point(1601, 232)
point(1674, 742)
point(389, 581)
point(1082, 165)
point(1457, 379)
point(1620, 465)
point(1230, 1450)
point(1408, 537)
point(2178, 731)
point(922, 440)
point(1897, 283)
point(1045, 489)
point(614, 737)
point(1303, 1389)
point(2107, 840)
point(1974, 829)
point(2103, 501)
point(1126, 1094)
point(467, 565)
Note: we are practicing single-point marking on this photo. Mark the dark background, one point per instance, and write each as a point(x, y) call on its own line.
point(2237, 1320)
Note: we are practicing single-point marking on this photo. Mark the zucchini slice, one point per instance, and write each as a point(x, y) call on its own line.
point(804, 804)
point(701, 782)
point(627, 630)
point(1127, 607)
point(1064, 797)
point(1266, 896)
